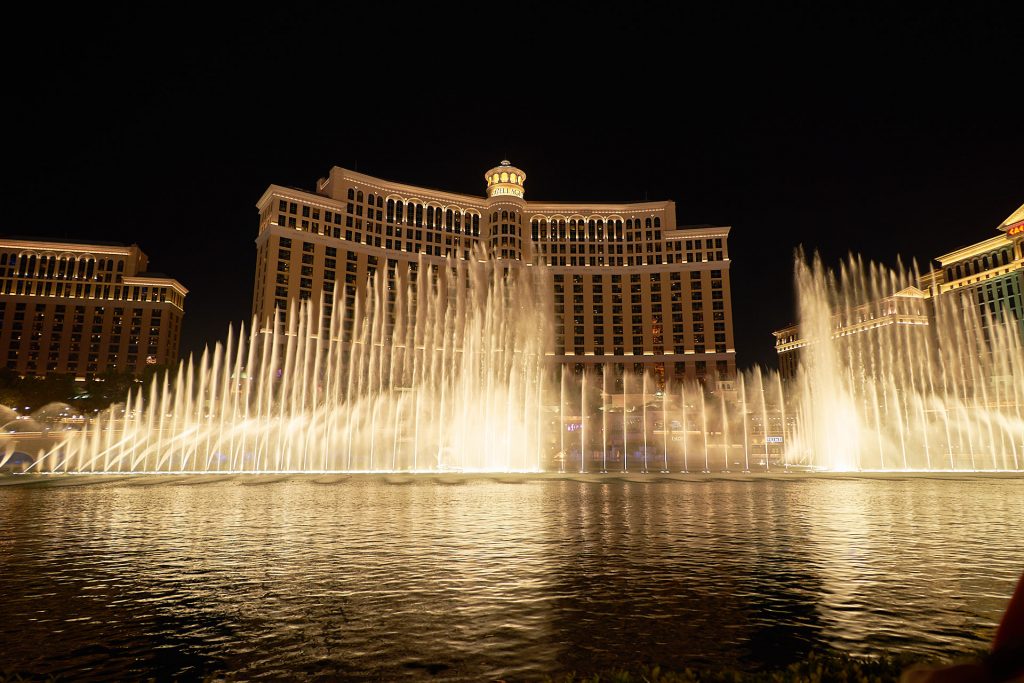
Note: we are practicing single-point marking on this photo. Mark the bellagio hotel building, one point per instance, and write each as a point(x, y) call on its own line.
point(85, 309)
point(631, 289)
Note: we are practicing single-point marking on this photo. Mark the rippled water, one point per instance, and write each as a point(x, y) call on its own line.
point(453, 577)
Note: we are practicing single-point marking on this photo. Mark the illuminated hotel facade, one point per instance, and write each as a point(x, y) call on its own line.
point(629, 288)
point(85, 309)
point(989, 274)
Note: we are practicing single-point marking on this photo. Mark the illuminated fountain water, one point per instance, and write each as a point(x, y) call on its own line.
point(882, 385)
point(446, 379)
point(449, 374)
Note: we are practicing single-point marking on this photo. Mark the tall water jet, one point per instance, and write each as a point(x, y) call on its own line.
point(665, 429)
point(886, 364)
point(583, 422)
point(460, 369)
point(643, 390)
point(682, 420)
point(829, 417)
point(604, 420)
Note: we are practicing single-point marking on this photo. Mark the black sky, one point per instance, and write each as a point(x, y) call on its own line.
point(890, 134)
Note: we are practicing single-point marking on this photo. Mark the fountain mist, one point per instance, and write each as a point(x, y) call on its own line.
point(427, 376)
point(448, 373)
point(894, 379)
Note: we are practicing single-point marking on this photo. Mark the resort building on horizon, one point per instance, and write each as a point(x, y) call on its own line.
point(988, 274)
point(85, 308)
point(629, 287)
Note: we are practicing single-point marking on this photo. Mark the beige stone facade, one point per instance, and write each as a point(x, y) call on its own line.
point(990, 272)
point(629, 287)
point(85, 309)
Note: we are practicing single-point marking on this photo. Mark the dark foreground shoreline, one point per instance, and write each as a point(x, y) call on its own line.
point(817, 667)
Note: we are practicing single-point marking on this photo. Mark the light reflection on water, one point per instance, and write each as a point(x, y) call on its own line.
point(481, 577)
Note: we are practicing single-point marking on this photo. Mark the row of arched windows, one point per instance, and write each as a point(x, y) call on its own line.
point(979, 265)
point(452, 220)
point(62, 266)
point(506, 216)
point(505, 177)
point(582, 229)
point(371, 199)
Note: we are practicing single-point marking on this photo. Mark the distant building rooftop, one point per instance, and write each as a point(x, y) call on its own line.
point(65, 240)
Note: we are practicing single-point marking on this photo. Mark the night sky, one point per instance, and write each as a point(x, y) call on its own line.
point(884, 135)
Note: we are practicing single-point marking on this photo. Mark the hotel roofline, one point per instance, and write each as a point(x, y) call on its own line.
point(1011, 227)
point(972, 250)
point(109, 249)
point(55, 245)
point(476, 202)
point(155, 280)
point(1013, 220)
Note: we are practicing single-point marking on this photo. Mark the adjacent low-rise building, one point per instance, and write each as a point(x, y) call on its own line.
point(85, 309)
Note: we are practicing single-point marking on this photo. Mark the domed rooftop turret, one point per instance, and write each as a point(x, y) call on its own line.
point(505, 179)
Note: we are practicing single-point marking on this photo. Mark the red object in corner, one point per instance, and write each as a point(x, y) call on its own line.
point(1011, 628)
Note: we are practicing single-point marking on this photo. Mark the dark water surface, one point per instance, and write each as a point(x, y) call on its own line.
point(480, 577)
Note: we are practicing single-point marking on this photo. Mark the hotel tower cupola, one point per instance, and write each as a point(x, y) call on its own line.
point(505, 180)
